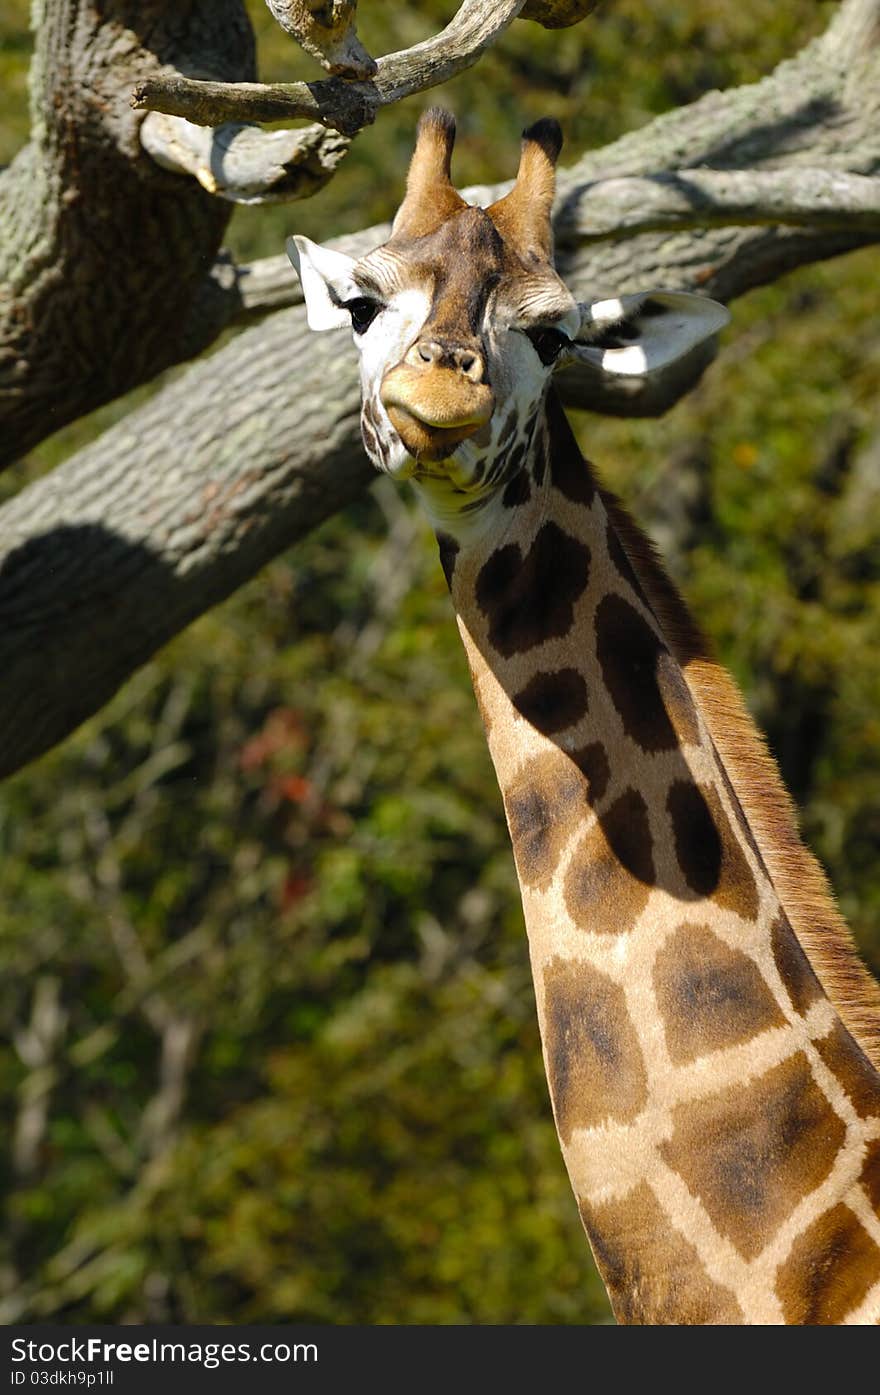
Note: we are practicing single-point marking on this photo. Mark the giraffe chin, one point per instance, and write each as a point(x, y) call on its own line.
point(431, 443)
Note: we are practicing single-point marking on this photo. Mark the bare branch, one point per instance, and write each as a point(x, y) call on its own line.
point(243, 163)
point(327, 32)
point(343, 106)
point(267, 284)
point(698, 198)
point(179, 1042)
point(854, 31)
point(36, 1045)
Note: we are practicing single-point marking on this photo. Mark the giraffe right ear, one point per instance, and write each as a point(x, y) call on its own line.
point(327, 282)
point(640, 336)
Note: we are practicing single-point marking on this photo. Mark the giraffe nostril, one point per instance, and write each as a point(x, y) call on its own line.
point(426, 353)
point(466, 362)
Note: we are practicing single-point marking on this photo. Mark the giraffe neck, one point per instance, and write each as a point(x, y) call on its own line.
point(720, 1126)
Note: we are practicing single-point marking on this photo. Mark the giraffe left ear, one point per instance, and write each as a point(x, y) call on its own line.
point(638, 335)
point(327, 282)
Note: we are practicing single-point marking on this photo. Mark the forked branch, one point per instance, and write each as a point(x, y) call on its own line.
point(326, 30)
point(342, 106)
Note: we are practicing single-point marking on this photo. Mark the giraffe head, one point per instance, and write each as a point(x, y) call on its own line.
point(460, 318)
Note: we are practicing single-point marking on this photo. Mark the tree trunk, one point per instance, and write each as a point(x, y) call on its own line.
point(102, 252)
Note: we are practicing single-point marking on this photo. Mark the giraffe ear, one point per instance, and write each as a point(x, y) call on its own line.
point(638, 335)
point(327, 282)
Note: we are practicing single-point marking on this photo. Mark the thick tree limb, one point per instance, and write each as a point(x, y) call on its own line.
point(244, 163)
point(794, 197)
point(343, 106)
point(619, 209)
point(102, 252)
point(115, 552)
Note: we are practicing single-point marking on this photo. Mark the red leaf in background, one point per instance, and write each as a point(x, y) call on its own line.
point(282, 730)
point(293, 889)
point(294, 787)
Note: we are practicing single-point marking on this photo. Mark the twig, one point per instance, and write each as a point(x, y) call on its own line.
point(36, 1045)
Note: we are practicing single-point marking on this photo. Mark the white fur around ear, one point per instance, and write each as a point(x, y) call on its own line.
point(326, 281)
point(637, 335)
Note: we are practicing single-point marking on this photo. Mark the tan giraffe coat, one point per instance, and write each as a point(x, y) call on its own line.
point(720, 1125)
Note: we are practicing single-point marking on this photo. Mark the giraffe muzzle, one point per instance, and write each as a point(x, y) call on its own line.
point(433, 408)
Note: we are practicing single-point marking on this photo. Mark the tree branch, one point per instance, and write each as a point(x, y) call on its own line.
point(327, 32)
point(612, 210)
point(244, 163)
point(696, 198)
point(102, 252)
point(344, 106)
point(36, 1045)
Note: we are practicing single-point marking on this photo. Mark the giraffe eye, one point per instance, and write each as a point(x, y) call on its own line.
point(548, 343)
point(363, 312)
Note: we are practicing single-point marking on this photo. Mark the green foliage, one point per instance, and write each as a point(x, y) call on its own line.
point(15, 47)
point(272, 1050)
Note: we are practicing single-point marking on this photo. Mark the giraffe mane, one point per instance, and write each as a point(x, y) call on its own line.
point(799, 880)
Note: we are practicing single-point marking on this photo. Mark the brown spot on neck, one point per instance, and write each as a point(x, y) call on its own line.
point(544, 804)
point(448, 549)
point(594, 1061)
point(801, 983)
point(527, 600)
point(569, 471)
point(829, 1271)
point(611, 872)
point(652, 1272)
point(852, 1070)
point(751, 1153)
point(709, 995)
point(552, 702)
point(628, 650)
point(709, 853)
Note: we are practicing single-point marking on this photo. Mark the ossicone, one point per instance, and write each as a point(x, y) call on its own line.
point(430, 195)
point(523, 216)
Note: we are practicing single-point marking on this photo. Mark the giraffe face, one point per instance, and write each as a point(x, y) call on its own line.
point(441, 376)
point(460, 318)
point(457, 339)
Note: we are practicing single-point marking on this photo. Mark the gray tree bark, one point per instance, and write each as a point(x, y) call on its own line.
point(123, 545)
point(103, 252)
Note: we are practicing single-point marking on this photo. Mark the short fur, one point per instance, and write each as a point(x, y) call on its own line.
point(713, 1103)
point(430, 196)
point(523, 215)
point(799, 880)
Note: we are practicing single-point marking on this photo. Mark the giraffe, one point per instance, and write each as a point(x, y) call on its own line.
point(711, 1040)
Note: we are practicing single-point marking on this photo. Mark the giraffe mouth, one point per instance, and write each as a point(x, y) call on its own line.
point(424, 441)
point(433, 412)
